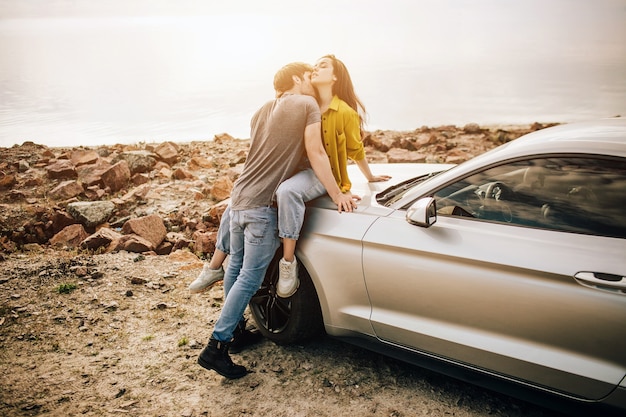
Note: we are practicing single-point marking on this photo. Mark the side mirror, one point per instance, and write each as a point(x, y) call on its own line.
point(423, 212)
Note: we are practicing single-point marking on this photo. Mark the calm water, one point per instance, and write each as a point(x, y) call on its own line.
point(127, 72)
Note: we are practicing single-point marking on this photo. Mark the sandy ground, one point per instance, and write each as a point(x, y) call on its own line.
point(126, 339)
point(119, 334)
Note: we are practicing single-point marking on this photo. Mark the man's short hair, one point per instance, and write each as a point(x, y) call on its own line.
point(283, 80)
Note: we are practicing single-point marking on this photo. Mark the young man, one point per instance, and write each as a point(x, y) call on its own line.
point(283, 132)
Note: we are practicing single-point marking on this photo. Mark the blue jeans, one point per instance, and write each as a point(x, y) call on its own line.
point(291, 196)
point(253, 242)
point(222, 241)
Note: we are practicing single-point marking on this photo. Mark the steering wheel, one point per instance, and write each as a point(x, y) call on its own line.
point(497, 190)
point(494, 201)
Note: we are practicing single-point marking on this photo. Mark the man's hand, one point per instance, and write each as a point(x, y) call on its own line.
point(346, 201)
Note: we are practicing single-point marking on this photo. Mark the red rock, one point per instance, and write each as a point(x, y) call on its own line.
point(222, 187)
point(103, 237)
point(216, 212)
point(139, 179)
point(83, 157)
point(134, 243)
point(60, 220)
point(92, 174)
point(71, 236)
point(7, 180)
point(65, 190)
point(204, 242)
point(149, 227)
point(61, 169)
point(116, 177)
point(198, 162)
point(183, 174)
point(168, 152)
point(164, 248)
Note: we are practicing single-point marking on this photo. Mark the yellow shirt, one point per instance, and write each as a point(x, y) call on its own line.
point(341, 133)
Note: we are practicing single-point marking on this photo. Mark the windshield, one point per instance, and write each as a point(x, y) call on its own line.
point(394, 193)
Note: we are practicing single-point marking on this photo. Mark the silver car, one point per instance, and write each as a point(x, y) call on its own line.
point(508, 270)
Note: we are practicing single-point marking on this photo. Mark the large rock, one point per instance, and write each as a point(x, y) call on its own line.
point(168, 152)
point(103, 237)
point(183, 174)
point(60, 220)
point(204, 241)
point(92, 174)
point(7, 180)
point(138, 161)
point(149, 227)
point(91, 213)
point(61, 169)
point(71, 236)
point(222, 187)
point(116, 177)
point(134, 243)
point(198, 162)
point(66, 190)
point(83, 157)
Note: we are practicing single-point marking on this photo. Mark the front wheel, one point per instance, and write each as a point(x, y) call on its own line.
point(287, 320)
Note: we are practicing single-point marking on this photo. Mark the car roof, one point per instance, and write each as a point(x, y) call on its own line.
point(605, 137)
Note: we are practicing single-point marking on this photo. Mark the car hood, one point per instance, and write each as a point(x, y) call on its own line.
point(368, 190)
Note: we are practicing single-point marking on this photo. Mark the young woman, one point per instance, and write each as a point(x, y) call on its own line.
point(342, 123)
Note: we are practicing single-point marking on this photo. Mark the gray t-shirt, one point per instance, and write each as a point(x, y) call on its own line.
point(276, 149)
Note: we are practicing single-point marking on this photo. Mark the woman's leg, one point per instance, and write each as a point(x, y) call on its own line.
point(222, 244)
point(291, 196)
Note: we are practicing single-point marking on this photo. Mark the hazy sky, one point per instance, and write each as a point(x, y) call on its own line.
point(412, 61)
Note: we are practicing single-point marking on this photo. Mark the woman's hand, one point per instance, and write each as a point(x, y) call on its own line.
point(379, 178)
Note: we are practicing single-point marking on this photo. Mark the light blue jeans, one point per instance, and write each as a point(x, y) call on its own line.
point(222, 241)
point(291, 196)
point(253, 242)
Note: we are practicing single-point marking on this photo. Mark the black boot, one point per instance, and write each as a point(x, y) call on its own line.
point(215, 356)
point(244, 337)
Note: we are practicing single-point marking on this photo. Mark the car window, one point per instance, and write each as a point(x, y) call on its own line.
point(580, 195)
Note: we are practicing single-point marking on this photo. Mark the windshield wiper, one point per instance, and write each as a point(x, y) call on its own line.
point(390, 193)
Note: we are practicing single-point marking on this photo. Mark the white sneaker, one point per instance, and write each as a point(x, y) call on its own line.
point(207, 278)
point(288, 281)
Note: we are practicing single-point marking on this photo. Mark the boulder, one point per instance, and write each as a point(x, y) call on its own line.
point(66, 190)
point(116, 177)
point(103, 237)
point(71, 236)
point(61, 169)
point(91, 213)
point(149, 227)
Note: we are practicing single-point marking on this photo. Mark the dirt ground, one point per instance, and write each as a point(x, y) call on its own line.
point(119, 334)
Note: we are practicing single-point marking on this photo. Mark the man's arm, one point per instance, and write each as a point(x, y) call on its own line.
point(321, 166)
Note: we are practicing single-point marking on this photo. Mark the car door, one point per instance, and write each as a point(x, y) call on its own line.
point(502, 289)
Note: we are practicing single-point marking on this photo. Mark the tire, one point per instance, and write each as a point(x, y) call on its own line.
point(287, 320)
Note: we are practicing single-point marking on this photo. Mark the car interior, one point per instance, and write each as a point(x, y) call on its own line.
point(580, 195)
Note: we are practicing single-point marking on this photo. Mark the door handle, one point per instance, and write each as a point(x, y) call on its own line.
point(601, 280)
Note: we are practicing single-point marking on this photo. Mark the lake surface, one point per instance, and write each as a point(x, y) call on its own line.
point(127, 72)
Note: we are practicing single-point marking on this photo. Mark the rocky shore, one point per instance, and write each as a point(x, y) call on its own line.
point(163, 197)
point(97, 248)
